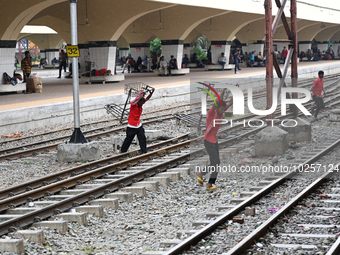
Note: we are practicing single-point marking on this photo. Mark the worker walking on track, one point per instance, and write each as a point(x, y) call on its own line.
point(134, 126)
point(317, 89)
point(210, 141)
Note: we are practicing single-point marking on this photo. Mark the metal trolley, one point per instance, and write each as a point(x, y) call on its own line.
point(130, 89)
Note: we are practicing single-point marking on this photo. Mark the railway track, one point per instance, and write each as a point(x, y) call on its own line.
point(249, 200)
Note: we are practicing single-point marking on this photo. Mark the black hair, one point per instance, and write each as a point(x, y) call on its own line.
point(27, 52)
point(320, 72)
point(224, 104)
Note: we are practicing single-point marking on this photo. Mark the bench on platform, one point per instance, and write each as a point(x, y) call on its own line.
point(182, 71)
point(10, 88)
point(50, 66)
point(102, 79)
point(191, 65)
point(218, 67)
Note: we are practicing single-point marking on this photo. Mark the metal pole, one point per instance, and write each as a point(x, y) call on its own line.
point(77, 136)
point(269, 54)
point(294, 70)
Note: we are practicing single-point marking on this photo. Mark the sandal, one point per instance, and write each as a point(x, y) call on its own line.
point(200, 180)
point(212, 188)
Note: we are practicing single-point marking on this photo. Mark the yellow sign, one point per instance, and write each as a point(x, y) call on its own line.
point(72, 51)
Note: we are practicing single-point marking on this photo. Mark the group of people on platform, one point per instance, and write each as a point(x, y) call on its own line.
point(316, 55)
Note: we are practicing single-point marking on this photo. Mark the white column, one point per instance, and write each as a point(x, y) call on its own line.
point(218, 47)
point(139, 50)
point(175, 48)
point(305, 46)
point(103, 54)
point(123, 52)
point(7, 58)
point(51, 54)
point(84, 57)
point(323, 46)
point(188, 49)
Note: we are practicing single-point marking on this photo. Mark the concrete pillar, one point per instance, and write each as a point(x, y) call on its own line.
point(188, 49)
point(336, 46)
point(43, 54)
point(51, 54)
point(299, 130)
point(323, 46)
point(173, 47)
point(7, 57)
point(84, 58)
point(139, 50)
point(124, 52)
point(103, 54)
point(271, 141)
point(304, 46)
point(257, 46)
point(217, 47)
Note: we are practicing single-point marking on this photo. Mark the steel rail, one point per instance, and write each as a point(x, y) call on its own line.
point(249, 240)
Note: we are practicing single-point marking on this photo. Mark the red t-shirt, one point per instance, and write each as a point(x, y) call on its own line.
point(134, 116)
point(318, 86)
point(284, 53)
point(210, 132)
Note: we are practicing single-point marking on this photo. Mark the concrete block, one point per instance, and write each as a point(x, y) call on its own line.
point(6, 166)
point(88, 186)
point(182, 171)
point(165, 181)
point(61, 226)
point(21, 210)
point(36, 236)
point(12, 245)
point(185, 232)
point(77, 217)
point(4, 218)
point(201, 223)
point(169, 242)
point(113, 176)
point(152, 185)
point(301, 132)
point(271, 141)
point(334, 115)
point(58, 197)
point(116, 142)
point(123, 196)
point(72, 192)
point(214, 214)
point(112, 203)
point(97, 210)
point(138, 190)
point(174, 176)
point(152, 135)
point(78, 152)
point(44, 203)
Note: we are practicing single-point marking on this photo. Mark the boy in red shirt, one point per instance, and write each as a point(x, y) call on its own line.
point(210, 140)
point(284, 54)
point(317, 94)
point(134, 126)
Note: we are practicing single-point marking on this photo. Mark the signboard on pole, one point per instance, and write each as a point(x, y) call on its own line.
point(72, 51)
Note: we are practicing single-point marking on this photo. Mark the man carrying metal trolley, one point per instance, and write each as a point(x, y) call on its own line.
point(134, 125)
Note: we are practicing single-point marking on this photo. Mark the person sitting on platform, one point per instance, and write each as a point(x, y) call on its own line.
point(131, 63)
point(163, 66)
point(222, 61)
point(194, 59)
point(134, 125)
point(309, 54)
point(185, 60)
point(260, 57)
point(54, 61)
point(172, 64)
point(13, 80)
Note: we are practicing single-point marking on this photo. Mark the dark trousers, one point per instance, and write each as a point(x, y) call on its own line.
point(61, 65)
point(130, 134)
point(27, 75)
point(319, 104)
point(236, 64)
point(214, 157)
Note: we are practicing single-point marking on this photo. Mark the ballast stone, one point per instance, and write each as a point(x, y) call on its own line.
point(271, 141)
point(74, 152)
point(301, 132)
